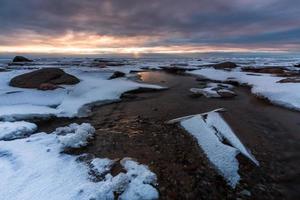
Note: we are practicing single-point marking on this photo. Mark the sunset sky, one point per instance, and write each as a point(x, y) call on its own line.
point(148, 26)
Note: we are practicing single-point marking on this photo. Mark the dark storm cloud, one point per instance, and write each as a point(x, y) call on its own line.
point(182, 21)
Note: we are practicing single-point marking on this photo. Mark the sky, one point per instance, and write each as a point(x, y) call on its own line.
point(149, 26)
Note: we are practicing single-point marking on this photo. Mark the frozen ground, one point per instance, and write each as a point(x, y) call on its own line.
point(263, 85)
point(210, 130)
point(36, 168)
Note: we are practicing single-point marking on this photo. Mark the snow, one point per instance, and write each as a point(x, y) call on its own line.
point(70, 101)
point(211, 90)
point(102, 166)
point(35, 168)
point(210, 130)
point(141, 179)
point(75, 135)
point(263, 85)
point(13, 130)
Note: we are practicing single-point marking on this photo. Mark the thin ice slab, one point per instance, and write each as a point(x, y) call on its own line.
point(211, 130)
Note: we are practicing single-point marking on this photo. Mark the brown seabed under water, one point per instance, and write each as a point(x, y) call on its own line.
point(135, 128)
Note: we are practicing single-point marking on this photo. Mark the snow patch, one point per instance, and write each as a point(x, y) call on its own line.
point(211, 130)
point(74, 135)
point(141, 180)
point(13, 130)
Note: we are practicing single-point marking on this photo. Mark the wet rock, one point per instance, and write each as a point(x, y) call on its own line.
point(34, 79)
point(225, 65)
point(21, 59)
point(117, 74)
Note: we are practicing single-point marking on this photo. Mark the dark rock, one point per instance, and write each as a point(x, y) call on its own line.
point(21, 59)
point(297, 65)
point(225, 94)
point(290, 80)
point(225, 65)
point(100, 62)
point(34, 79)
point(117, 74)
point(173, 70)
point(267, 70)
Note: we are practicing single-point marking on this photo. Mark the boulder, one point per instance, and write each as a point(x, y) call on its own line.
point(117, 74)
point(35, 79)
point(21, 59)
point(225, 65)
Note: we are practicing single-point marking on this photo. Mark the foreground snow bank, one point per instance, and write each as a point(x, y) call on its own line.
point(211, 131)
point(13, 130)
point(36, 168)
point(70, 101)
point(263, 85)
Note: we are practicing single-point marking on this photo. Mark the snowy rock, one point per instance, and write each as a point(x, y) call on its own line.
point(13, 130)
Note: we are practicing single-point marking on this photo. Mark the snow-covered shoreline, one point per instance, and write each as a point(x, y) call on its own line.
point(94, 87)
point(262, 85)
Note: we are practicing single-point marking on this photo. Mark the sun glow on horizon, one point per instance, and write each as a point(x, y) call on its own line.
point(89, 43)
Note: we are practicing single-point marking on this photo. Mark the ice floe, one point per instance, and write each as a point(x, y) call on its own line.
point(263, 85)
point(13, 130)
point(70, 101)
point(210, 131)
point(36, 168)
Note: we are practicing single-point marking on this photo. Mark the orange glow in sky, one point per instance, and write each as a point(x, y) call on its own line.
point(86, 43)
